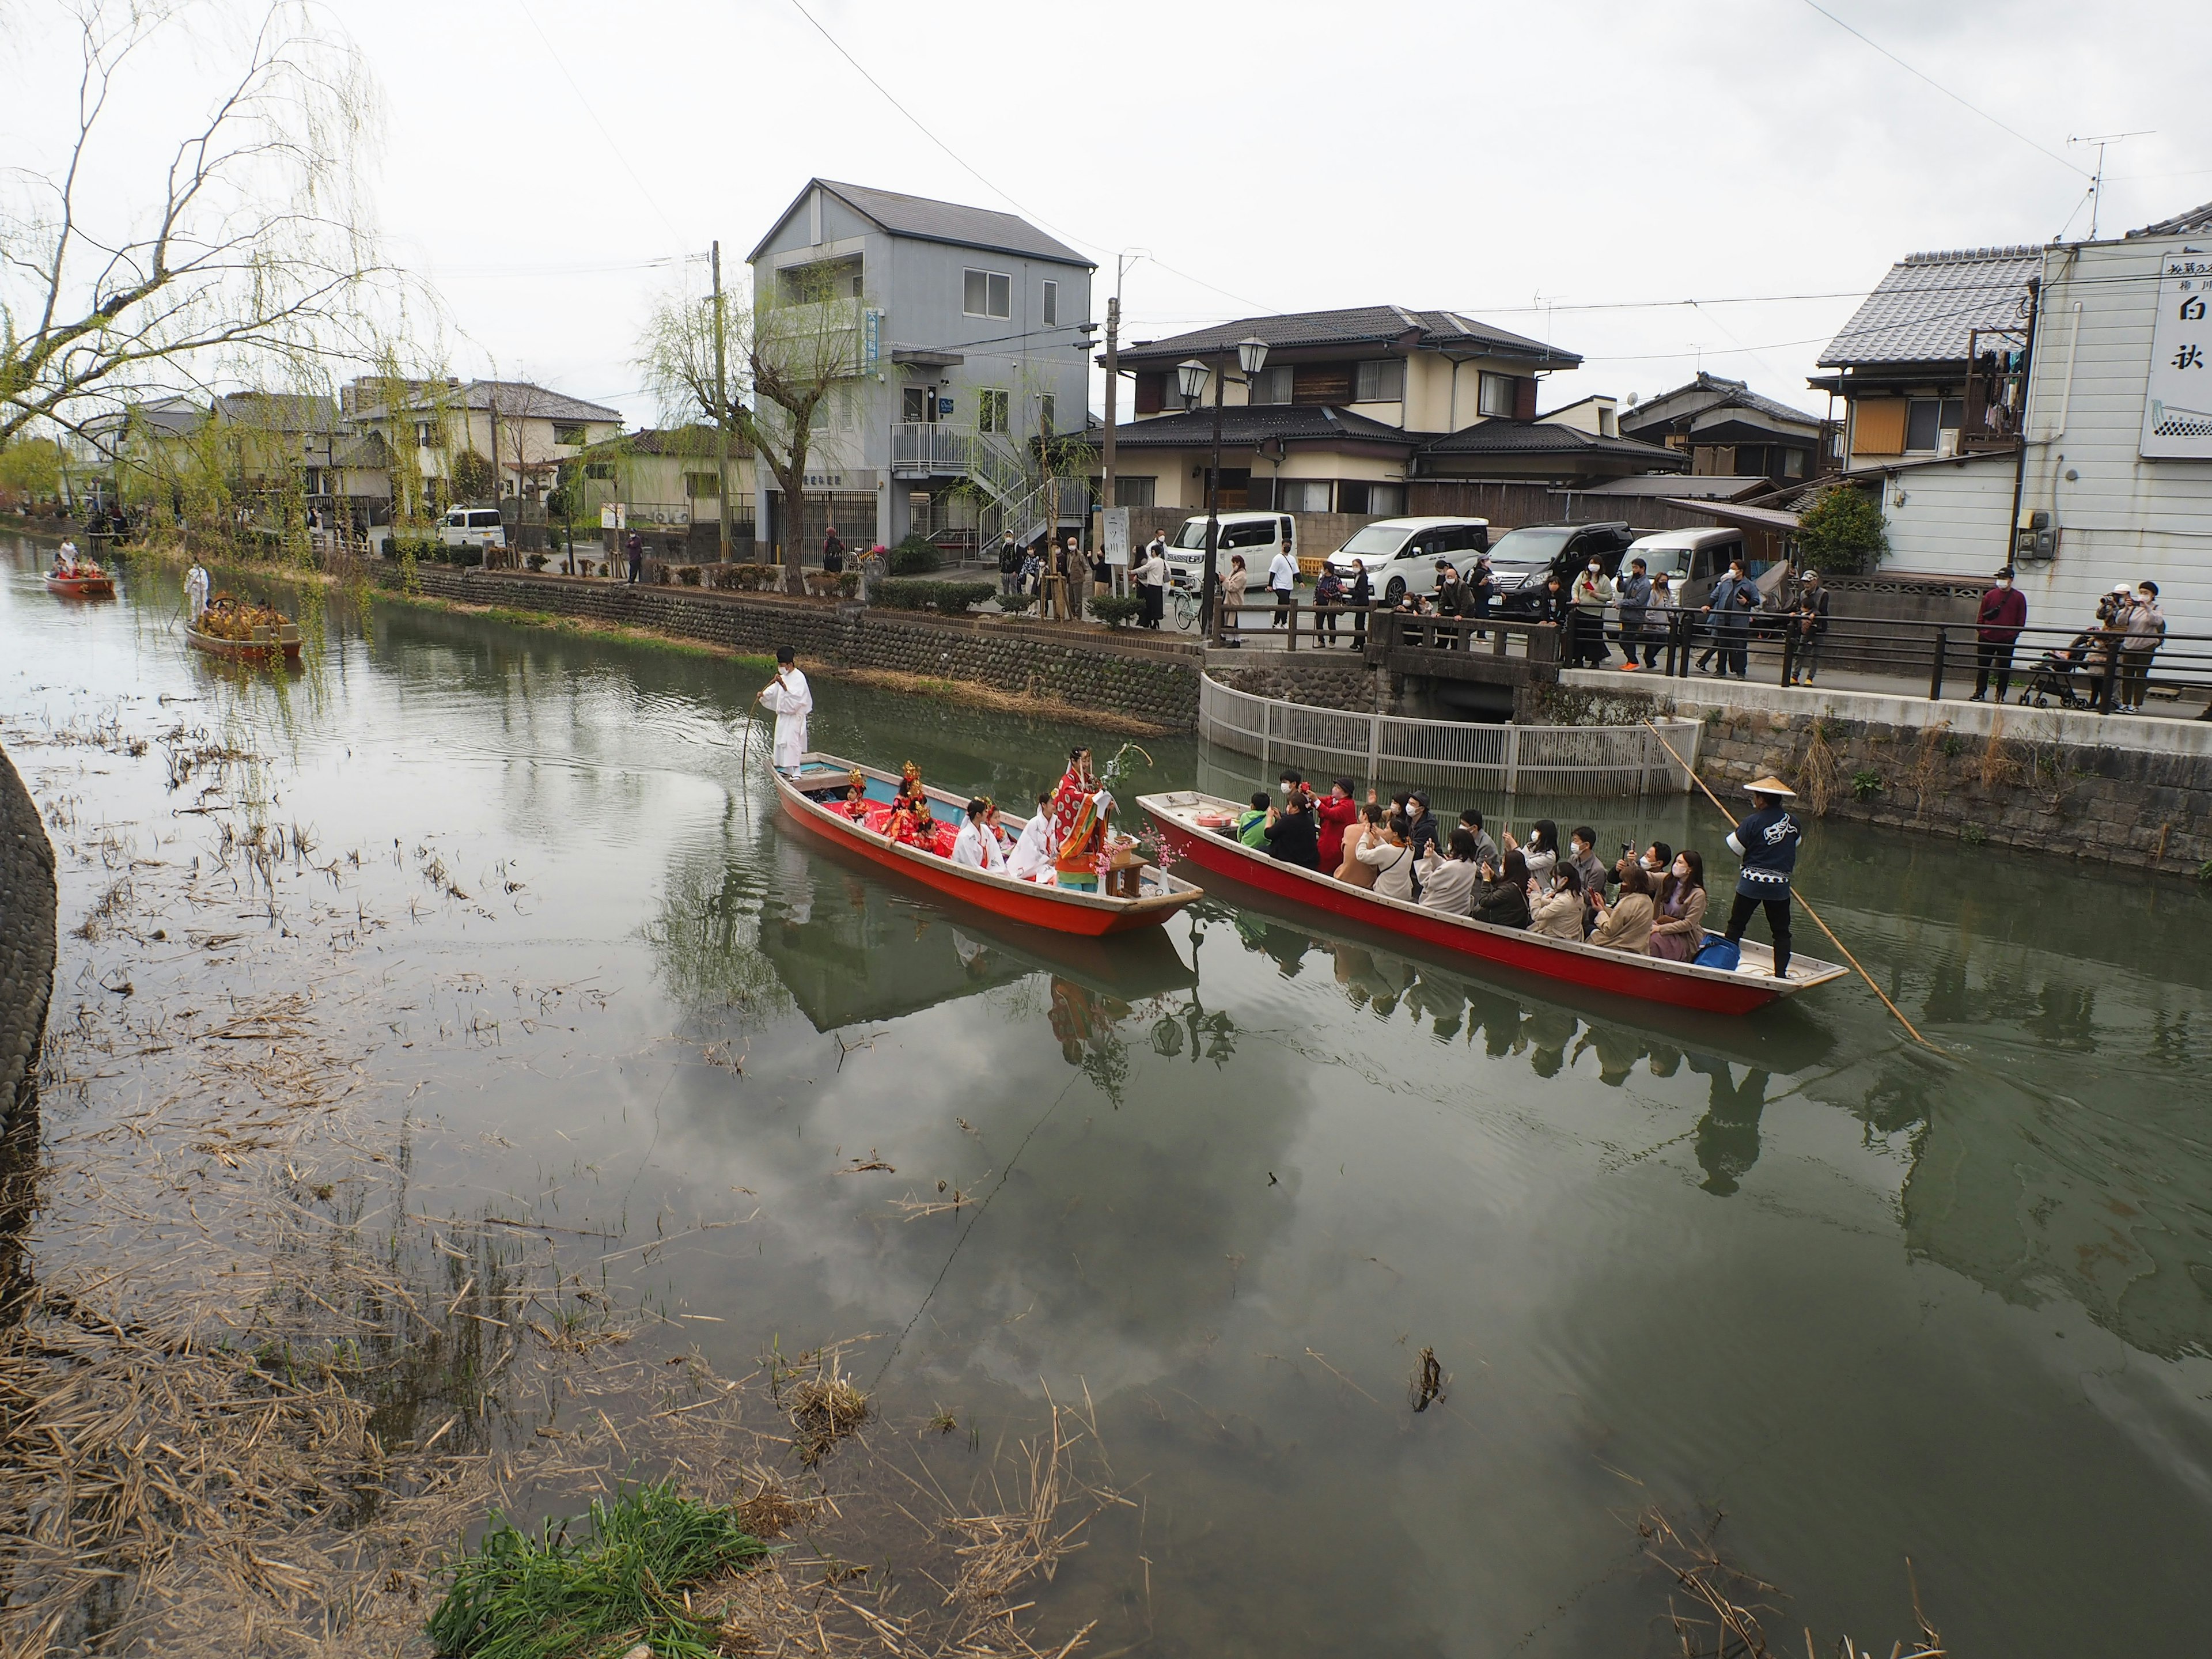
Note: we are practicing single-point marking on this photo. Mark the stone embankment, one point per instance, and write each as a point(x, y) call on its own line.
point(1141, 677)
point(28, 905)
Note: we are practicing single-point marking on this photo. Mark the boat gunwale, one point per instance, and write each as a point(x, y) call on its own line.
point(1166, 806)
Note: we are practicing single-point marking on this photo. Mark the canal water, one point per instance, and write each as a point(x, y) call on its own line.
point(1861, 1304)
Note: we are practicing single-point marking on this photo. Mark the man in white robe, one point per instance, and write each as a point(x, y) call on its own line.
point(1031, 859)
point(977, 845)
point(196, 590)
point(791, 702)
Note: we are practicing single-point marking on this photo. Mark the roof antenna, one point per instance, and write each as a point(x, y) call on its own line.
point(2097, 179)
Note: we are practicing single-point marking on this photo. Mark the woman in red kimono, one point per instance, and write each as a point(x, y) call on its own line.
point(1076, 788)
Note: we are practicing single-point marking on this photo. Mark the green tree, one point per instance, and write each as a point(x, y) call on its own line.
point(31, 466)
point(1842, 533)
point(474, 479)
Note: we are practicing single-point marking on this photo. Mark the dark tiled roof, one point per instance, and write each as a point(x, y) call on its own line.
point(1496, 437)
point(929, 220)
point(690, 442)
point(2197, 219)
point(1376, 325)
point(515, 399)
point(278, 411)
point(1924, 310)
point(1243, 425)
point(364, 452)
point(1722, 393)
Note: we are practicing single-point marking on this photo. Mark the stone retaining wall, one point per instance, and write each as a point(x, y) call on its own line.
point(28, 903)
point(1317, 678)
point(1141, 677)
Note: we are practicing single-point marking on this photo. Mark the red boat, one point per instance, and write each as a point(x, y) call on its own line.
point(96, 585)
point(821, 785)
point(1195, 828)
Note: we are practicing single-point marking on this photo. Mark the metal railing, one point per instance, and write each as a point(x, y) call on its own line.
point(1555, 760)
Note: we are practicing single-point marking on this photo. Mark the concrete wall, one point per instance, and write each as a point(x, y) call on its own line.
point(1144, 678)
point(28, 903)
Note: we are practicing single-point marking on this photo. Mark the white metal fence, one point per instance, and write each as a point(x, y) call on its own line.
point(1540, 760)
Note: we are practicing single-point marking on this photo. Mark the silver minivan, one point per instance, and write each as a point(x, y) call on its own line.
point(472, 526)
point(1400, 554)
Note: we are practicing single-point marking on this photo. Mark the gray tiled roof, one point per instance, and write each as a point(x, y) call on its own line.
point(1243, 425)
point(1548, 438)
point(1376, 325)
point(515, 397)
point(1924, 310)
point(278, 411)
point(1710, 392)
point(928, 221)
point(690, 442)
point(2197, 218)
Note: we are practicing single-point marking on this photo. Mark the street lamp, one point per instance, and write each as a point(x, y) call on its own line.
point(1251, 358)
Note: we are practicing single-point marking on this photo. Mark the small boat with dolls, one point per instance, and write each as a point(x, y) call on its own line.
point(877, 816)
point(81, 580)
point(242, 631)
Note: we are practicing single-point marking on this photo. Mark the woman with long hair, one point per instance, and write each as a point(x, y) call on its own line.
point(1677, 926)
point(1541, 853)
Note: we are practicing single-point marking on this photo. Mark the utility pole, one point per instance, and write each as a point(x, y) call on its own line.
point(1113, 375)
point(721, 409)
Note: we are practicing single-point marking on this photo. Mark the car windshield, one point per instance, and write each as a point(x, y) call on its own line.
point(1192, 534)
point(1378, 541)
point(1539, 545)
point(1674, 561)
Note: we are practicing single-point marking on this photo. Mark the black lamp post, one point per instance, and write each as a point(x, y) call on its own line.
point(1190, 378)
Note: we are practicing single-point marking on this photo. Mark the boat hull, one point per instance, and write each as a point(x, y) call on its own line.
point(1613, 973)
point(81, 588)
point(1054, 910)
point(259, 649)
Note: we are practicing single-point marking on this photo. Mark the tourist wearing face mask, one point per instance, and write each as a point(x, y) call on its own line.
point(2144, 630)
point(2004, 613)
point(1723, 600)
point(1592, 594)
point(1679, 927)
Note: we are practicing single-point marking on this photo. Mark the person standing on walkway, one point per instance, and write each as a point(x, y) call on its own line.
point(790, 700)
point(1479, 593)
point(1593, 592)
point(1361, 598)
point(833, 551)
point(1658, 618)
point(1101, 574)
point(1718, 603)
point(2002, 613)
point(1010, 569)
point(635, 548)
point(1328, 599)
point(1152, 581)
point(1808, 624)
point(2144, 630)
point(1634, 606)
point(1233, 585)
point(1767, 840)
point(1283, 579)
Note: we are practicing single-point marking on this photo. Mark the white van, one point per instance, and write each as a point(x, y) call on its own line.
point(1257, 536)
point(1695, 559)
point(472, 526)
point(1400, 554)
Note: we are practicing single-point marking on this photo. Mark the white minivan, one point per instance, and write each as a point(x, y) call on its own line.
point(1257, 536)
point(1400, 554)
point(472, 526)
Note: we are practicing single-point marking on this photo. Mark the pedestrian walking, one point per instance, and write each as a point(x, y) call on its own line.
point(1768, 842)
point(1283, 579)
point(2002, 612)
point(1808, 626)
point(1635, 593)
point(1720, 607)
point(635, 548)
point(2143, 630)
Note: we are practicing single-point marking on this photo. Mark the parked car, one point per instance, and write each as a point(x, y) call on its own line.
point(1695, 559)
point(1535, 550)
point(1257, 536)
point(1400, 554)
point(472, 526)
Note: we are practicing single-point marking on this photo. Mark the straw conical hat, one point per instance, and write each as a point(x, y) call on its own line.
point(1769, 785)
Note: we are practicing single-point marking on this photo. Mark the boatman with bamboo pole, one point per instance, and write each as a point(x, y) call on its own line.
point(1767, 840)
point(790, 700)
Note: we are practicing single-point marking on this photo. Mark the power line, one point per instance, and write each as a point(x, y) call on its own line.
point(2014, 132)
point(523, 7)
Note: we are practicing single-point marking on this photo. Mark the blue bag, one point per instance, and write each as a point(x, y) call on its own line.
point(1718, 952)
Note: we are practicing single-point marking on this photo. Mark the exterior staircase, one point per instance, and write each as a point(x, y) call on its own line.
point(1016, 502)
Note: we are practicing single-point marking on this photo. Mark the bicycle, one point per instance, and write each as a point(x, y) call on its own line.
point(1185, 605)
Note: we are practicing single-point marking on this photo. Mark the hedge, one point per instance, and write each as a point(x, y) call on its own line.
point(1114, 612)
point(917, 555)
point(948, 598)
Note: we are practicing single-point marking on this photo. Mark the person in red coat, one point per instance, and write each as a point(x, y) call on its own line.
point(1336, 814)
point(2003, 612)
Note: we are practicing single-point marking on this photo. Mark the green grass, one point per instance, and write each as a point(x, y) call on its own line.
point(517, 1597)
point(552, 623)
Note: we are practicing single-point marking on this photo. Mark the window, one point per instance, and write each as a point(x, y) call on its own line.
point(1046, 404)
point(702, 486)
point(986, 293)
point(1792, 463)
point(991, 410)
point(1302, 495)
point(1151, 393)
point(1132, 492)
point(1498, 396)
point(1383, 381)
point(1273, 386)
point(570, 432)
point(1954, 414)
point(1381, 501)
point(913, 403)
point(1051, 304)
point(428, 435)
point(1922, 421)
point(600, 470)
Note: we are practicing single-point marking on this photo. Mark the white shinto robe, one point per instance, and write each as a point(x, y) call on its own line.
point(1032, 855)
point(977, 847)
point(790, 702)
point(195, 589)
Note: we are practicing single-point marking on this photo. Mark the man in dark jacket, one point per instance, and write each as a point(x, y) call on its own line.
point(833, 550)
point(1480, 593)
point(1360, 596)
point(1291, 834)
point(2003, 614)
point(1635, 594)
point(1808, 626)
point(1767, 840)
point(635, 548)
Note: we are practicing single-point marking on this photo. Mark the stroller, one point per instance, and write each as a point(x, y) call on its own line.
point(2053, 678)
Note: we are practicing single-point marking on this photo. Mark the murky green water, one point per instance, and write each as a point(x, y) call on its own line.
point(1233, 1178)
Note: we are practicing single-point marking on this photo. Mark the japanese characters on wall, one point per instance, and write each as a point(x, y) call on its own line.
point(2178, 402)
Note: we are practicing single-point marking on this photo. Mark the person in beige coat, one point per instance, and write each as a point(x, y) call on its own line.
point(1354, 871)
point(1625, 924)
point(1392, 861)
point(1232, 593)
point(1677, 926)
point(1559, 912)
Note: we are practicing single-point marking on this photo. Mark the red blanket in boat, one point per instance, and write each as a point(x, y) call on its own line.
point(877, 819)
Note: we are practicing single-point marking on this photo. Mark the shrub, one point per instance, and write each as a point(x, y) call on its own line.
point(917, 555)
point(536, 562)
point(688, 575)
point(1866, 785)
point(948, 598)
point(1842, 533)
point(1113, 611)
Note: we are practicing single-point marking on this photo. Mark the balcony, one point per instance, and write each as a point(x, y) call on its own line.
point(929, 449)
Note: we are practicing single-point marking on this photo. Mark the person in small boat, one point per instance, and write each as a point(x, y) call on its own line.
point(856, 803)
point(1391, 859)
point(1679, 927)
point(1503, 901)
point(1768, 842)
point(1081, 858)
point(1485, 849)
point(1252, 822)
point(977, 845)
point(1447, 883)
point(65, 559)
point(790, 700)
point(1625, 924)
point(1077, 785)
point(1290, 834)
point(1426, 831)
point(1559, 912)
point(196, 590)
point(1333, 814)
point(1031, 859)
point(1351, 869)
point(1541, 854)
point(912, 823)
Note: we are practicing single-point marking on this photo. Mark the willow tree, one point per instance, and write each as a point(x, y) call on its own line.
point(774, 373)
point(238, 250)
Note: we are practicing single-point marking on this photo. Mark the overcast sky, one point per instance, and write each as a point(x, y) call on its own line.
point(1562, 172)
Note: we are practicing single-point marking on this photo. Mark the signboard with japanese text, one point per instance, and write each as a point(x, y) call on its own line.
point(2178, 402)
point(612, 517)
point(1117, 535)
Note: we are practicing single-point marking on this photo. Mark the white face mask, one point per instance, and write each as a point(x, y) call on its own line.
point(2145, 599)
point(1682, 870)
point(2004, 581)
point(1593, 570)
